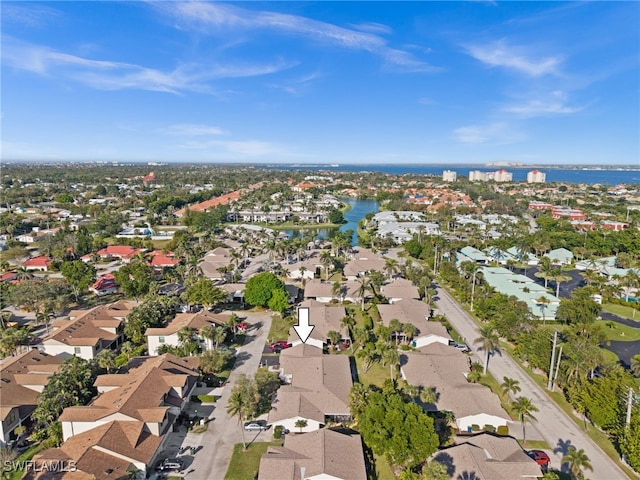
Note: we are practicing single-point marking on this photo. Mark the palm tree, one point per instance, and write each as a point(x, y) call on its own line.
point(326, 260)
point(577, 461)
point(390, 356)
point(409, 330)
point(472, 269)
point(237, 406)
point(524, 408)
point(545, 270)
point(558, 277)
point(635, 365)
point(185, 334)
point(510, 385)
point(543, 301)
point(489, 341)
point(363, 288)
point(106, 359)
point(358, 398)
point(390, 266)
point(334, 337)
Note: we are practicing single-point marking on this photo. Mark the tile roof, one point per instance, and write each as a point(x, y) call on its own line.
point(325, 453)
point(192, 320)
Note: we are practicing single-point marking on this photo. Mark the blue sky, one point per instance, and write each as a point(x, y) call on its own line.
point(322, 82)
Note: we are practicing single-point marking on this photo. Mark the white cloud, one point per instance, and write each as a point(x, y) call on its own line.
point(29, 15)
point(373, 27)
point(553, 104)
point(213, 18)
point(108, 75)
point(500, 54)
point(496, 133)
point(192, 130)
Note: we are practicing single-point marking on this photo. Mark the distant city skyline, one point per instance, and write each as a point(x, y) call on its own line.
point(350, 83)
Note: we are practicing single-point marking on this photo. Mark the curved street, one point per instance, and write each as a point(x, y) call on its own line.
point(552, 424)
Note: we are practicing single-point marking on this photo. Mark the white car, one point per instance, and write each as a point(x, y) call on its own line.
point(256, 426)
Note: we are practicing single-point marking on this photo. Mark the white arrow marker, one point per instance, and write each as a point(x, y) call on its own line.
point(303, 329)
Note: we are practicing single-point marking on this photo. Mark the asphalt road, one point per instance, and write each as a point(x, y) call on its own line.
point(212, 460)
point(552, 423)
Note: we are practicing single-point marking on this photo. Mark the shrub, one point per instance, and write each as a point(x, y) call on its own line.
point(475, 428)
point(278, 432)
point(503, 430)
point(489, 428)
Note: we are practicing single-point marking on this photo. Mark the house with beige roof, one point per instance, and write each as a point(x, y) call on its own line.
point(445, 369)
point(215, 260)
point(325, 319)
point(22, 379)
point(488, 457)
point(317, 389)
point(321, 455)
point(400, 289)
point(417, 313)
point(322, 291)
point(87, 332)
point(153, 390)
point(156, 337)
point(362, 262)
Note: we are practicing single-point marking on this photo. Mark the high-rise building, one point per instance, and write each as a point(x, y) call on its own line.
point(536, 176)
point(502, 176)
point(449, 176)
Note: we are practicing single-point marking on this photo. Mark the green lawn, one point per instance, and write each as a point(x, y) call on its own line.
point(383, 469)
point(622, 311)
point(280, 328)
point(618, 331)
point(244, 465)
point(376, 375)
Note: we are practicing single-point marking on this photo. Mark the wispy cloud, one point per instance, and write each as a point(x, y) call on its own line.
point(501, 54)
point(553, 104)
point(297, 86)
point(239, 147)
point(373, 27)
point(192, 130)
point(496, 133)
point(214, 18)
point(28, 14)
point(109, 75)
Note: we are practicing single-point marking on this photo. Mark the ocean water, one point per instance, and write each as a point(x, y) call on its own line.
point(587, 175)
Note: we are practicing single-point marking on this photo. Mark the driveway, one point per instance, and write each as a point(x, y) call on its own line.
point(215, 446)
point(552, 424)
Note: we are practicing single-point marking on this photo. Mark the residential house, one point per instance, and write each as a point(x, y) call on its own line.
point(400, 289)
point(444, 368)
point(156, 337)
point(325, 319)
point(22, 378)
point(471, 254)
point(121, 252)
point(40, 262)
point(560, 256)
point(322, 291)
point(124, 428)
point(215, 262)
point(416, 313)
point(235, 292)
point(323, 454)
point(104, 285)
point(488, 457)
point(160, 259)
point(362, 262)
point(87, 332)
point(317, 389)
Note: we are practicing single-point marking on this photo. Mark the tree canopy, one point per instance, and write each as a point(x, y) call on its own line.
point(260, 288)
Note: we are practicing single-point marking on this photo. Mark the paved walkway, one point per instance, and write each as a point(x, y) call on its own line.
point(215, 446)
point(552, 424)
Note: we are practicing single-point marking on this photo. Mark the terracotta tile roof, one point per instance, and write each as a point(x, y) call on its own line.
point(213, 202)
point(122, 251)
point(40, 261)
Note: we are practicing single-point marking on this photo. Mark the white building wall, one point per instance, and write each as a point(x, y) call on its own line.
point(428, 340)
point(66, 351)
point(153, 342)
point(290, 424)
point(481, 419)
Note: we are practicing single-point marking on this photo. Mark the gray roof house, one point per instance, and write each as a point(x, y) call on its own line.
point(417, 313)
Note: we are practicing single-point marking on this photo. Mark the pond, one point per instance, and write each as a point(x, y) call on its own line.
point(358, 210)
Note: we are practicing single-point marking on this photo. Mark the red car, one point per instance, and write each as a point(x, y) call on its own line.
point(279, 345)
point(540, 457)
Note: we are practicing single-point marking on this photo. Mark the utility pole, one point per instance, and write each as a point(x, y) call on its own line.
point(555, 377)
point(435, 259)
point(553, 360)
point(629, 406)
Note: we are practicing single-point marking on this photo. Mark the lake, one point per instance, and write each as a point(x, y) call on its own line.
point(358, 210)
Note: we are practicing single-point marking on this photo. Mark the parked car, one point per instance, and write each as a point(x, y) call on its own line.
point(242, 326)
point(257, 425)
point(279, 345)
point(540, 457)
point(170, 464)
point(460, 346)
